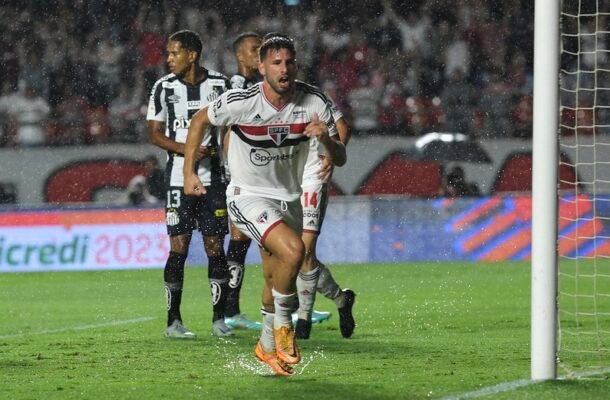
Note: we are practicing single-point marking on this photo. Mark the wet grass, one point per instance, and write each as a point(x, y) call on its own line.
point(424, 331)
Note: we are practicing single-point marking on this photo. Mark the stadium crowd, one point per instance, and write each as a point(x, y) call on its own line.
point(80, 72)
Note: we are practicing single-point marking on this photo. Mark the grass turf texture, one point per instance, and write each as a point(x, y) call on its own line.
point(424, 331)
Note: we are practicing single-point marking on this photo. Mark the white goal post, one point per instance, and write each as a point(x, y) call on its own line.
point(544, 191)
point(570, 263)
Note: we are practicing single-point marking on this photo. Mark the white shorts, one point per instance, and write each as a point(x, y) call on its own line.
point(314, 201)
point(255, 216)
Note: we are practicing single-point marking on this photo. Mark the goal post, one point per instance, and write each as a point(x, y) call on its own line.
point(570, 258)
point(544, 191)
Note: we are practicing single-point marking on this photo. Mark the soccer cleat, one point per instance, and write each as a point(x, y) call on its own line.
point(240, 321)
point(346, 319)
point(286, 346)
point(317, 317)
point(278, 366)
point(302, 329)
point(220, 329)
point(178, 331)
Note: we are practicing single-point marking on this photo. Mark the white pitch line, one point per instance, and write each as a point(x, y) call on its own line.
point(79, 327)
point(502, 387)
point(508, 386)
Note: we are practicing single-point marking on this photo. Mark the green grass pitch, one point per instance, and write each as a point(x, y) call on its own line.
point(424, 330)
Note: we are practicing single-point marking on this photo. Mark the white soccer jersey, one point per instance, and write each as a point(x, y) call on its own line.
point(313, 164)
point(268, 150)
point(174, 102)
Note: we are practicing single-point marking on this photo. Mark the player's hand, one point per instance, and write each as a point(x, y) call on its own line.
point(325, 173)
point(193, 185)
point(317, 128)
point(203, 152)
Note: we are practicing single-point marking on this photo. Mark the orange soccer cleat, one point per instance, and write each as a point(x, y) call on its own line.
point(286, 346)
point(278, 366)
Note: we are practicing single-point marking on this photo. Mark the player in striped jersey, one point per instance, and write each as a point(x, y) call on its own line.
point(174, 100)
point(245, 47)
point(273, 121)
point(314, 274)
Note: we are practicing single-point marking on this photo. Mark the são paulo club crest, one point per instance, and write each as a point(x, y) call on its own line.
point(278, 133)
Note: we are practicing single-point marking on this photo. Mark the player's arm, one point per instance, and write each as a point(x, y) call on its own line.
point(326, 169)
point(225, 140)
point(335, 150)
point(156, 135)
point(343, 130)
point(199, 124)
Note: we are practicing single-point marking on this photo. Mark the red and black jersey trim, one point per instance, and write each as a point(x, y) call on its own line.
point(268, 143)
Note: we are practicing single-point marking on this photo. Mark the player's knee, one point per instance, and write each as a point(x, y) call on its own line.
point(180, 244)
point(213, 246)
point(295, 253)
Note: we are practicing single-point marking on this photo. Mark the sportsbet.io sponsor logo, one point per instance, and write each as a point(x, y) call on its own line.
point(70, 252)
point(261, 157)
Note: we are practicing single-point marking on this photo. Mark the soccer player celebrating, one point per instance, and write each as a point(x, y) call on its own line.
point(273, 123)
point(246, 47)
point(174, 100)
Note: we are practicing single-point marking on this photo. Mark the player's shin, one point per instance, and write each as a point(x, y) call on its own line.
point(173, 276)
point(306, 289)
point(219, 282)
point(267, 340)
point(328, 287)
point(284, 304)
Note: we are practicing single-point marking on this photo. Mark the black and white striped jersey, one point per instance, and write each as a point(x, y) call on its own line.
point(268, 149)
point(241, 82)
point(174, 102)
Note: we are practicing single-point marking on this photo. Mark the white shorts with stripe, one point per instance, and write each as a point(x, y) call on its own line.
point(255, 216)
point(314, 201)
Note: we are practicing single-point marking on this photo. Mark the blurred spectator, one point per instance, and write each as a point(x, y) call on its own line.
point(33, 73)
point(414, 28)
point(136, 193)
point(155, 177)
point(363, 102)
point(108, 74)
point(457, 102)
point(71, 117)
point(97, 129)
point(28, 112)
point(496, 103)
point(8, 193)
point(125, 115)
point(523, 117)
point(455, 184)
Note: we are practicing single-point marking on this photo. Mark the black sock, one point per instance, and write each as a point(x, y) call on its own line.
point(173, 276)
point(218, 277)
point(236, 258)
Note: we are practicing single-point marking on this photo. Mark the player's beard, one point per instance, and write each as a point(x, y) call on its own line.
point(282, 87)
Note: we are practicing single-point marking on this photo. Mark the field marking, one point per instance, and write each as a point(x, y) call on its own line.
point(508, 386)
point(502, 387)
point(80, 327)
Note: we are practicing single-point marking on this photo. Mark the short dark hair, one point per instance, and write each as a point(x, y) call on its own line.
point(243, 36)
point(190, 40)
point(276, 42)
point(275, 34)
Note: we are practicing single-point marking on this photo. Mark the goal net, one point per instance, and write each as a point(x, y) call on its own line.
point(584, 210)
